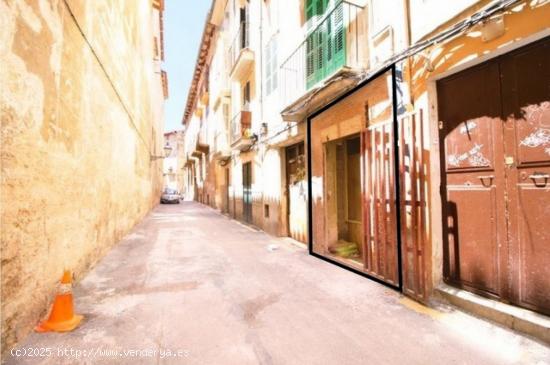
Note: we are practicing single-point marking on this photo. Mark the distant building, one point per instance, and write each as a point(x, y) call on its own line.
point(172, 170)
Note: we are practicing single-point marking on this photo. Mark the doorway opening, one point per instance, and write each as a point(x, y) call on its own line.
point(343, 194)
point(247, 192)
point(296, 192)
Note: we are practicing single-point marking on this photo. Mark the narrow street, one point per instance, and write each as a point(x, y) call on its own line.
point(191, 280)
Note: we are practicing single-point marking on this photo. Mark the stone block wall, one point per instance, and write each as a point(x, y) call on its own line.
point(81, 114)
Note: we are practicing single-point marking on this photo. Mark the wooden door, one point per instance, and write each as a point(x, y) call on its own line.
point(226, 190)
point(473, 174)
point(496, 177)
point(525, 91)
point(247, 192)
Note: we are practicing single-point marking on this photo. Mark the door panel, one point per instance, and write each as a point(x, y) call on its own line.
point(473, 200)
point(525, 79)
point(496, 208)
point(470, 232)
point(532, 262)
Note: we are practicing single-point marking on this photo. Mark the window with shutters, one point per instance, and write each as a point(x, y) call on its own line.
point(325, 43)
point(271, 66)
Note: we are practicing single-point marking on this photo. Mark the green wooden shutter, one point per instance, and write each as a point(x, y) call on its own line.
point(336, 58)
point(310, 59)
point(325, 47)
point(311, 6)
point(274, 64)
point(268, 68)
point(310, 9)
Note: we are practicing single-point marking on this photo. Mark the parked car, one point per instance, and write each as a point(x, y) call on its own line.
point(170, 196)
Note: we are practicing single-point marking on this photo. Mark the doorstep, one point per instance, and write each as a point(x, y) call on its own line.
point(519, 319)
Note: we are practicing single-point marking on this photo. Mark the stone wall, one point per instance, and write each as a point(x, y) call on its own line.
point(81, 113)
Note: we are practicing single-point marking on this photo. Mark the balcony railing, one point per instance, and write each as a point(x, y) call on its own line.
point(332, 42)
point(240, 126)
point(240, 42)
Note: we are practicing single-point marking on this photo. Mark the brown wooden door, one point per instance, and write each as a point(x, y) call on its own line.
point(495, 158)
point(473, 203)
point(247, 192)
point(227, 181)
point(525, 79)
point(297, 192)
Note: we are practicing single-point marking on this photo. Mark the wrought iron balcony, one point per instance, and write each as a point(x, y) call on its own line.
point(241, 135)
point(240, 55)
point(333, 42)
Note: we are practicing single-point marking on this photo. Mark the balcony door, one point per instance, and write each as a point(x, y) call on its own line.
point(243, 26)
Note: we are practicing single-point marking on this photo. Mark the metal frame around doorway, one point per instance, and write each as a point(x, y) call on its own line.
point(377, 74)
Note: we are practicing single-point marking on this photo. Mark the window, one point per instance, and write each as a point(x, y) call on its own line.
point(271, 65)
point(246, 94)
point(156, 46)
point(325, 44)
point(225, 112)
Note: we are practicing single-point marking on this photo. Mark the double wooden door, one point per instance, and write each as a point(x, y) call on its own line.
point(495, 158)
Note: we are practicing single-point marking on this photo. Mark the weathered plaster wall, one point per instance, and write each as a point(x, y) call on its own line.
point(76, 173)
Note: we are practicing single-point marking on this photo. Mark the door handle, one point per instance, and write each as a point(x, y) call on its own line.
point(541, 176)
point(485, 177)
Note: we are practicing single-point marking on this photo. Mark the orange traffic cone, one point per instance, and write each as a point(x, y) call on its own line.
point(62, 317)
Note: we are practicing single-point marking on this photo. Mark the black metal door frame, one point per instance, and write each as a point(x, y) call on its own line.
point(309, 118)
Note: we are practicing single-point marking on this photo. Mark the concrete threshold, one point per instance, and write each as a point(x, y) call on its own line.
point(522, 320)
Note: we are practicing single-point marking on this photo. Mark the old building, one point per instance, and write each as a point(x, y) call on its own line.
point(236, 139)
point(81, 105)
point(172, 169)
point(424, 139)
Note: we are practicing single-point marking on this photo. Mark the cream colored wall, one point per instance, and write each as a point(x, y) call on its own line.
point(427, 15)
point(76, 142)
